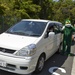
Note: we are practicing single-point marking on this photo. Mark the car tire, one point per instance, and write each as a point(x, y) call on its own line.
point(40, 64)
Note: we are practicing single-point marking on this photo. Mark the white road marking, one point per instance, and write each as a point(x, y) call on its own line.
point(51, 70)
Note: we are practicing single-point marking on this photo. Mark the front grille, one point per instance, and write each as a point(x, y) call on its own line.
point(11, 67)
point(4, 50)
point(8, 68)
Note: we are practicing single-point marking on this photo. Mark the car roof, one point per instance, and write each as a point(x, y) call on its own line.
point(41, 20)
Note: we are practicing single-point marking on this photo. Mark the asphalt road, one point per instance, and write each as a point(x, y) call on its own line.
point(56, 65)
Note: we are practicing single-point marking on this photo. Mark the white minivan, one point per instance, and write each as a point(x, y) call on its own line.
point(28, 44)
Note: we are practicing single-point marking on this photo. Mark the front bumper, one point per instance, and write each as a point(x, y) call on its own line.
point(17, 65)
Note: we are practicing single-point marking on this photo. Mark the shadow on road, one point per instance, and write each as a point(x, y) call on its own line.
point(56, 60)
point(6, 73)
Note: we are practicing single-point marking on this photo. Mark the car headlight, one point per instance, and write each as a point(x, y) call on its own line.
point(27, 51)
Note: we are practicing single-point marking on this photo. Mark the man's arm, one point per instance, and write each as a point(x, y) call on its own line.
point(59, 30)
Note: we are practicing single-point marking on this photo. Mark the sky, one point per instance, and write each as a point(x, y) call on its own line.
point(55, 0)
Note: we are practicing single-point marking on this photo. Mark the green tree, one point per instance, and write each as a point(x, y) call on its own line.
point(25, 8)
point(63, 9)
point(2, 9)
point(12, 11)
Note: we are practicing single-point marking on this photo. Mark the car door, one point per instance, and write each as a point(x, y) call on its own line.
point(58, 35)
point(50, 40)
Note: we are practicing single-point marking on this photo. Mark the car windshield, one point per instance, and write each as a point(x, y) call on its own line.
point(28, 28)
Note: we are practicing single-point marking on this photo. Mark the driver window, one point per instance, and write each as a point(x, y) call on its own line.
point(50, 28)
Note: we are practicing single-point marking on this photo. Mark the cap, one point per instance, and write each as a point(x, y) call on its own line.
point(67, 22)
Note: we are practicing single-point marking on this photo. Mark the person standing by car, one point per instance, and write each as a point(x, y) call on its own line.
point(67, 31)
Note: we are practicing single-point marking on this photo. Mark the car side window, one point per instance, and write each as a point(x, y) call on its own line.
point(57, 27)
point(50, 28)
point(53, 27)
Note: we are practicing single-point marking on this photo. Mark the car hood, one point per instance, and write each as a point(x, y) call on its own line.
point(17, 42)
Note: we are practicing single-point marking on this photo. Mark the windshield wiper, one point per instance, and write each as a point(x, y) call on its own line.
point(23, 33)
point(35, 35)
point(18, 33)
point(9, 32)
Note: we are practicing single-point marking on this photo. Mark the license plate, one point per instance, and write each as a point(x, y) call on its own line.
point(2, 63)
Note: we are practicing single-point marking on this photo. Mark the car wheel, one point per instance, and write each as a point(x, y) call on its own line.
point(40, 64)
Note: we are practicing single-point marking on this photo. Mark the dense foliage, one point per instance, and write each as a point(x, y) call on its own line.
point(12, 11)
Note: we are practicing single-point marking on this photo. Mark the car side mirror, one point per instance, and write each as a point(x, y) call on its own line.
point(51, 34)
